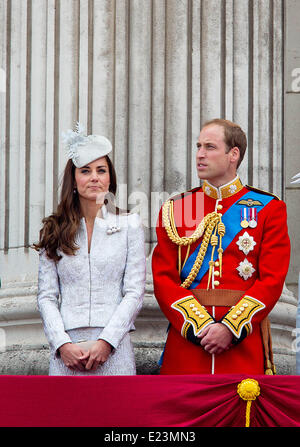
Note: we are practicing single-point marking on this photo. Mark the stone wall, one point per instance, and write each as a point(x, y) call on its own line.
point(146, 74)
point(292, 134)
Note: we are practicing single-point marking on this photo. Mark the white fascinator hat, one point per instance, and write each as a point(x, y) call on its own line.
point(83, 149)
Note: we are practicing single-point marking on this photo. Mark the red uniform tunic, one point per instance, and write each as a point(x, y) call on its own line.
point(254, 264)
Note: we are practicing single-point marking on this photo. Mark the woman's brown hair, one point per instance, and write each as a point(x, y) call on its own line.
point(60, 228)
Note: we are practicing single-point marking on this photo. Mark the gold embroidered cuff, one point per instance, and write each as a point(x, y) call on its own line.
point(241, 314)
point(195, 315)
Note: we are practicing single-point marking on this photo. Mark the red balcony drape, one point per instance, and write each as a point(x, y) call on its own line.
point(146, 401)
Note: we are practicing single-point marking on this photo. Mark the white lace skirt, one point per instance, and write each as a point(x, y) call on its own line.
point(120, 363)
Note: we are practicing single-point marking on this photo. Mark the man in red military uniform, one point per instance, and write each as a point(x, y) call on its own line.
point(219, 266)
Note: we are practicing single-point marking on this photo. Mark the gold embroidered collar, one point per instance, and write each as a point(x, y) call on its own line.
point(223, 191)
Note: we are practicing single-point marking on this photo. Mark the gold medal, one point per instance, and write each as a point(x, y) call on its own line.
point(244, 218)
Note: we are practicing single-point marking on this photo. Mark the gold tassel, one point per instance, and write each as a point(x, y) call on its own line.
point(220, 251)
point(179, 259)
point(248, 390)
point(213, 242)
point(211, 264)
point(186, 256)
point(269, 368)
point(221, 233)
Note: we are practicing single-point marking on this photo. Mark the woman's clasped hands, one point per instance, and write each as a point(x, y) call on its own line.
point(76, 358)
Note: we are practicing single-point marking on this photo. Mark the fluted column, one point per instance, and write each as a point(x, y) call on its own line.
point(147, 74)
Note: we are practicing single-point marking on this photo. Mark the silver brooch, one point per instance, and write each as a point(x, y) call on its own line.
point(113, 229)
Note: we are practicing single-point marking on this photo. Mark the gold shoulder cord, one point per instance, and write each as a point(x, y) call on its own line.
point(208, 228)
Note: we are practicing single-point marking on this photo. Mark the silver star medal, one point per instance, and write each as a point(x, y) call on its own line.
point(246, 243)
point(245, 269)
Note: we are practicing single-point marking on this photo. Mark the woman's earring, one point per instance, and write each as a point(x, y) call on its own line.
point(74, 191)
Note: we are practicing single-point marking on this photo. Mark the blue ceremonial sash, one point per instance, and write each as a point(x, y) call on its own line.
point(232, 221)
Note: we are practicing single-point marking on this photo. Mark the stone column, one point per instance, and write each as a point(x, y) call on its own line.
point(147, 75)
point(292, 138)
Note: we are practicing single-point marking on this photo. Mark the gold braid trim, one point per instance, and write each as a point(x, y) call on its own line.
point(211, 223)
point(169, 223)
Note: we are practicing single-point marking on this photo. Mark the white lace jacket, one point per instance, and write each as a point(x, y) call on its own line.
point(103, 288)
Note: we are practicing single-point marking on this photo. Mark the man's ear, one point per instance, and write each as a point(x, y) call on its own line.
point(235, 154)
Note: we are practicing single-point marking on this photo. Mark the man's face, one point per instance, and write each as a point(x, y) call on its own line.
point(214, 163)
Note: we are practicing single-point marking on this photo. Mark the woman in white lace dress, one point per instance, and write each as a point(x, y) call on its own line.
point(91, 269)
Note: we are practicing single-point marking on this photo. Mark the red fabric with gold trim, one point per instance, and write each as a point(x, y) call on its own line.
point(270, 259)
point(147, 401)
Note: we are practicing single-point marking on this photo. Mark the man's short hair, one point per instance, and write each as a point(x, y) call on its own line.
point(233, 135)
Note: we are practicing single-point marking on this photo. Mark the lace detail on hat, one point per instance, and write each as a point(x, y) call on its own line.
point(72, 139)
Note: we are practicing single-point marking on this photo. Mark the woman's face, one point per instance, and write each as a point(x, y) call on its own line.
point(92, 181)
